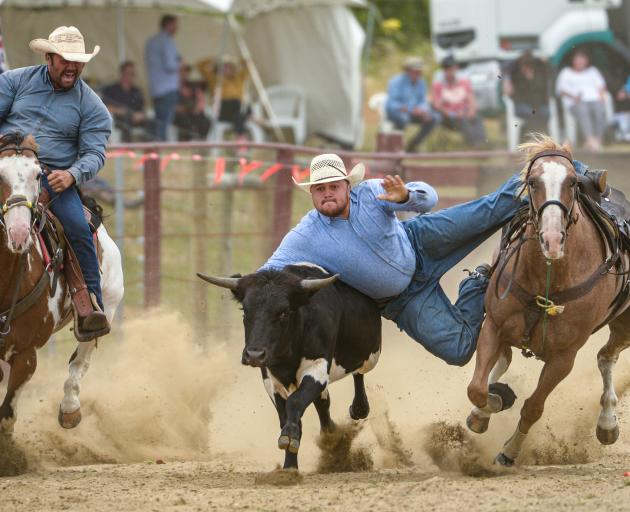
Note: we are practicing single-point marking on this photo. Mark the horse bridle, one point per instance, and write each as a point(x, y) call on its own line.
point(15, 200)
point(567, 211)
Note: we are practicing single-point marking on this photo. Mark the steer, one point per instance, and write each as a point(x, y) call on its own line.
point(304, 329)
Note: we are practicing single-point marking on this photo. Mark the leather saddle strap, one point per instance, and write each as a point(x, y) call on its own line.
point(25, 303)
point(76, 283)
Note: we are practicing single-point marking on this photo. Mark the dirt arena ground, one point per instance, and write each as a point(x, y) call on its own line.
point(167, 427)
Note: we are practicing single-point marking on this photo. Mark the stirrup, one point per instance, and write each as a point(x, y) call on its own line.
point(481, 271)
point(92, 326)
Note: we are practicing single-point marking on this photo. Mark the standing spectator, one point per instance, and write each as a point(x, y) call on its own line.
point(454, 99)
point(583, 90)
point(407, 102)
point(232, 90)
point(125, 102)
point(622, 114)
point(162, 62)
point(528, 86)
point(190, 116)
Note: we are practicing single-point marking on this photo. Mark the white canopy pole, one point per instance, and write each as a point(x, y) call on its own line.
point(253, 73)
point(120, 33)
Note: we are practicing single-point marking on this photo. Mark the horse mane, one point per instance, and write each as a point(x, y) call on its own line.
point(539, 142)
point(18, 139)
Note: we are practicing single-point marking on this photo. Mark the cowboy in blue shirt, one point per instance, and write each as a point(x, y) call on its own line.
point(71, 125)
point(407, 102)
point(355, 233)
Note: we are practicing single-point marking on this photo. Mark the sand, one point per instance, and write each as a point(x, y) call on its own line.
point(168, 426)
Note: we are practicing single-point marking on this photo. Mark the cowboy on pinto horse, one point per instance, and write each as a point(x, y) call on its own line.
point(72, 126)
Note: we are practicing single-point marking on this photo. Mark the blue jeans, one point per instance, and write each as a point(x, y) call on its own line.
point(402, 119)
point(441, 240)
point(164, 113)
point(68, 208)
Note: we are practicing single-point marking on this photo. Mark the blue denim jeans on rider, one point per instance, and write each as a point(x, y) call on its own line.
point(441, 240)
point(164, 113)
point(68, 208)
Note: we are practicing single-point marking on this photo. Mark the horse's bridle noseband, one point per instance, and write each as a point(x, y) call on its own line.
point(16, 200)
point(567, 211)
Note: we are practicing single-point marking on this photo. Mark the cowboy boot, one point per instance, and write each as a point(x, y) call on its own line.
point(96, 322)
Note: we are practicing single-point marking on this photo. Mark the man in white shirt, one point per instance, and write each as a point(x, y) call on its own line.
point(583, 90)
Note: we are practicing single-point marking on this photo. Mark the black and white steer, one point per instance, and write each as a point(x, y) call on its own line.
point(304, 330)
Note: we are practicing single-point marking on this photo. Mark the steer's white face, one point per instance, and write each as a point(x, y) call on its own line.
point(19, 178)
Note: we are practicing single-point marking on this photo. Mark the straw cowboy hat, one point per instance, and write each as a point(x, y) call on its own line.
point(329, 167)
point(65, 41)
point(413, 63)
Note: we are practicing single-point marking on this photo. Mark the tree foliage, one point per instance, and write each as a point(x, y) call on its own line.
point(405, 22)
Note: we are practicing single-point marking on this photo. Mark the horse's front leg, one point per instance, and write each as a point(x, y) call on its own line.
point(554, 371)
point(23, 366)
point(70, 407)
point(490, 354)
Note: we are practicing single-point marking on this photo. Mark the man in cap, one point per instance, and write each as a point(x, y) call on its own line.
point(407, 102)
point(355, 233)
point(71, 125)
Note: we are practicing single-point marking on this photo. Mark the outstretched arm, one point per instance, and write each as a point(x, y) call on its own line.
point(395, 195)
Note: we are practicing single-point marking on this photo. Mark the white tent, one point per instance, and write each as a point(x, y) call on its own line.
point(312, 44)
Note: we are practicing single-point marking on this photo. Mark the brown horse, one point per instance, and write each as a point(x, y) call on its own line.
point(556, 283)
point(31, 307)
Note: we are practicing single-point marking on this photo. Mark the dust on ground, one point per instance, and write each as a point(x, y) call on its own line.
point(169, 426)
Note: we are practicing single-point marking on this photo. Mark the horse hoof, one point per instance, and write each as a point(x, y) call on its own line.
point(359, 413)
point(504, 460)
point(476, 424)
point(607, 436)
point(508, 397)
point(69, 419)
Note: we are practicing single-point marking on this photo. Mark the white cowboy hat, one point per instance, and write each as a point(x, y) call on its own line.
point(413, 63)
point(65, 41)
point(329, 167)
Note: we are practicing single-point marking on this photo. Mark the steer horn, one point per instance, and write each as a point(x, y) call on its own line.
point(230, 283)
point(312, 285)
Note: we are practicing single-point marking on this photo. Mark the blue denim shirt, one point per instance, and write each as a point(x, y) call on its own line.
point(370, 250)
point(162, 62)
point(71, 127)
point(402, 92)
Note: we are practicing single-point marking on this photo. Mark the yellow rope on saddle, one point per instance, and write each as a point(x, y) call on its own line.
point(548, 305)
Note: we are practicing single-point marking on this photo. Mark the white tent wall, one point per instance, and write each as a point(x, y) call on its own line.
point(199, 36)
point(316, 48)
point(319, 50)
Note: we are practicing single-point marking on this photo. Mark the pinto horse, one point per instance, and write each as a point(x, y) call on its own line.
point(32, 308)
point(558, 281)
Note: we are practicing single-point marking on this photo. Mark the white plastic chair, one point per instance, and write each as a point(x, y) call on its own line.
point(514, 124)
point(377, 103)
point(220, 128)
point(570, 123)
point(289, 107)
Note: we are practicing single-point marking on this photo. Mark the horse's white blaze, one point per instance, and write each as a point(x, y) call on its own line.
point(607, 418)
point(317, 369)
point(552, 217)
point(6, 370)
point(20, 174)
